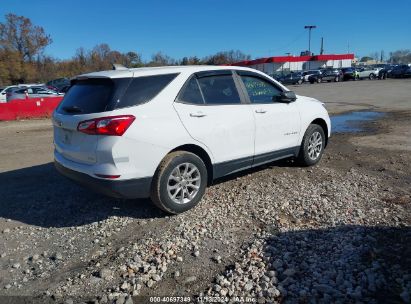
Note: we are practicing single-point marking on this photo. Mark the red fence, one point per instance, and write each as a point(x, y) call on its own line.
point(29, 108)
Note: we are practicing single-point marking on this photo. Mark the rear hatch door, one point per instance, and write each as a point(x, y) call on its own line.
point(70, 143)
point(86, 99)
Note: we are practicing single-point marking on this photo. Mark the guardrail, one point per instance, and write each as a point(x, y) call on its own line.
point(29, 108)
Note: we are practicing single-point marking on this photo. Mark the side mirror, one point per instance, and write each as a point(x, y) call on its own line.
point(285, 97)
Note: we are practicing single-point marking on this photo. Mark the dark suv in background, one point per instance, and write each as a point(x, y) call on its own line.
point(58, 84)
point(326, 75)
point(401, 71)
point(292, 78)
point(349, 74)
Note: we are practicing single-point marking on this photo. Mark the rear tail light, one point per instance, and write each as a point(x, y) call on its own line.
point(112, 125)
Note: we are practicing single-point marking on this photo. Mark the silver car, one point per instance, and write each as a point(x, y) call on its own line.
point(367, 72)
point(4, 91)
point(31, 92)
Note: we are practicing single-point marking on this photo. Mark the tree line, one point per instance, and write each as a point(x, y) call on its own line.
point(22, 57)
point(397, 57)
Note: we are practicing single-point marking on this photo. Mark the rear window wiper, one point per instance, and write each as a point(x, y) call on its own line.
point(72, 109)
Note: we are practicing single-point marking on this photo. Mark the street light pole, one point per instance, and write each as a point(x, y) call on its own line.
point(309, 27)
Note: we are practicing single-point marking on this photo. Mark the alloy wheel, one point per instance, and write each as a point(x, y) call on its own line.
point(315, 144)
point(184, 183)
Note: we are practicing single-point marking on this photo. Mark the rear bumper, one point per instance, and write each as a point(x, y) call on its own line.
point(131, 188)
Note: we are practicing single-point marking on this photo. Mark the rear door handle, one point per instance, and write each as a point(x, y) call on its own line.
point(198, 114)
point(261, 111)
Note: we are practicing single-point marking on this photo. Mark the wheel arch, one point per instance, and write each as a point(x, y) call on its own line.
point(321, 122)
point(200, 152)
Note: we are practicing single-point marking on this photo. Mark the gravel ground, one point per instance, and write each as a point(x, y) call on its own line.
point(337, 232)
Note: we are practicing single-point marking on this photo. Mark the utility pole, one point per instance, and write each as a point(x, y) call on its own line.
point(309, 27)
point(322, 46)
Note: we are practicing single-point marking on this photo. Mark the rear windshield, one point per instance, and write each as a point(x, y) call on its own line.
point(104, 94)
point(88, 96)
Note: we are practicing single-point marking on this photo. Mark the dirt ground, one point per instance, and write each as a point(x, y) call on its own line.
point(56, 237)
point(381, 95)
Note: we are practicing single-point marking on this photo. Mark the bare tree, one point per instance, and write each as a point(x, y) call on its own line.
point(226, 57)
point(159, 59)
point(400, 57)
point(19, 34)
point(133, 59)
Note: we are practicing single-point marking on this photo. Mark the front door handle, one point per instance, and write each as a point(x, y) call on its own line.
point(260, 111)
point(198, 114)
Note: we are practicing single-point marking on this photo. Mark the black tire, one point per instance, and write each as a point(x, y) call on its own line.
point(371, 76)
point(312, 81)
point(159, 192)
point(304, 158)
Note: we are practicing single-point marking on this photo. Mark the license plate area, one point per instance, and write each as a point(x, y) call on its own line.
point(66, 136)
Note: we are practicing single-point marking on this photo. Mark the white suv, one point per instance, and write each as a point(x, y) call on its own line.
point(168, 132)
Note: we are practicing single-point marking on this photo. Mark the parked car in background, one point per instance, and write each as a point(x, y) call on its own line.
point(58, 83)
point(367, 72)
point(349, 74)
point(400, 71)
point(383, 70)
point(31, 92)
point(307, 74)
point(64, 89)
point(31, 85)
point(7, 90)
point(326, 75)
point(389, 71)
point(292, 78)
point(278, 75)
point(50, 87)
point(146, 132)
point(4, 91)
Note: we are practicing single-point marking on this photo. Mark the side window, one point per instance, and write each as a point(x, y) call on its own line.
point(219, 89)
point(191, 93)
point(259, 90)
point(143, 89)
